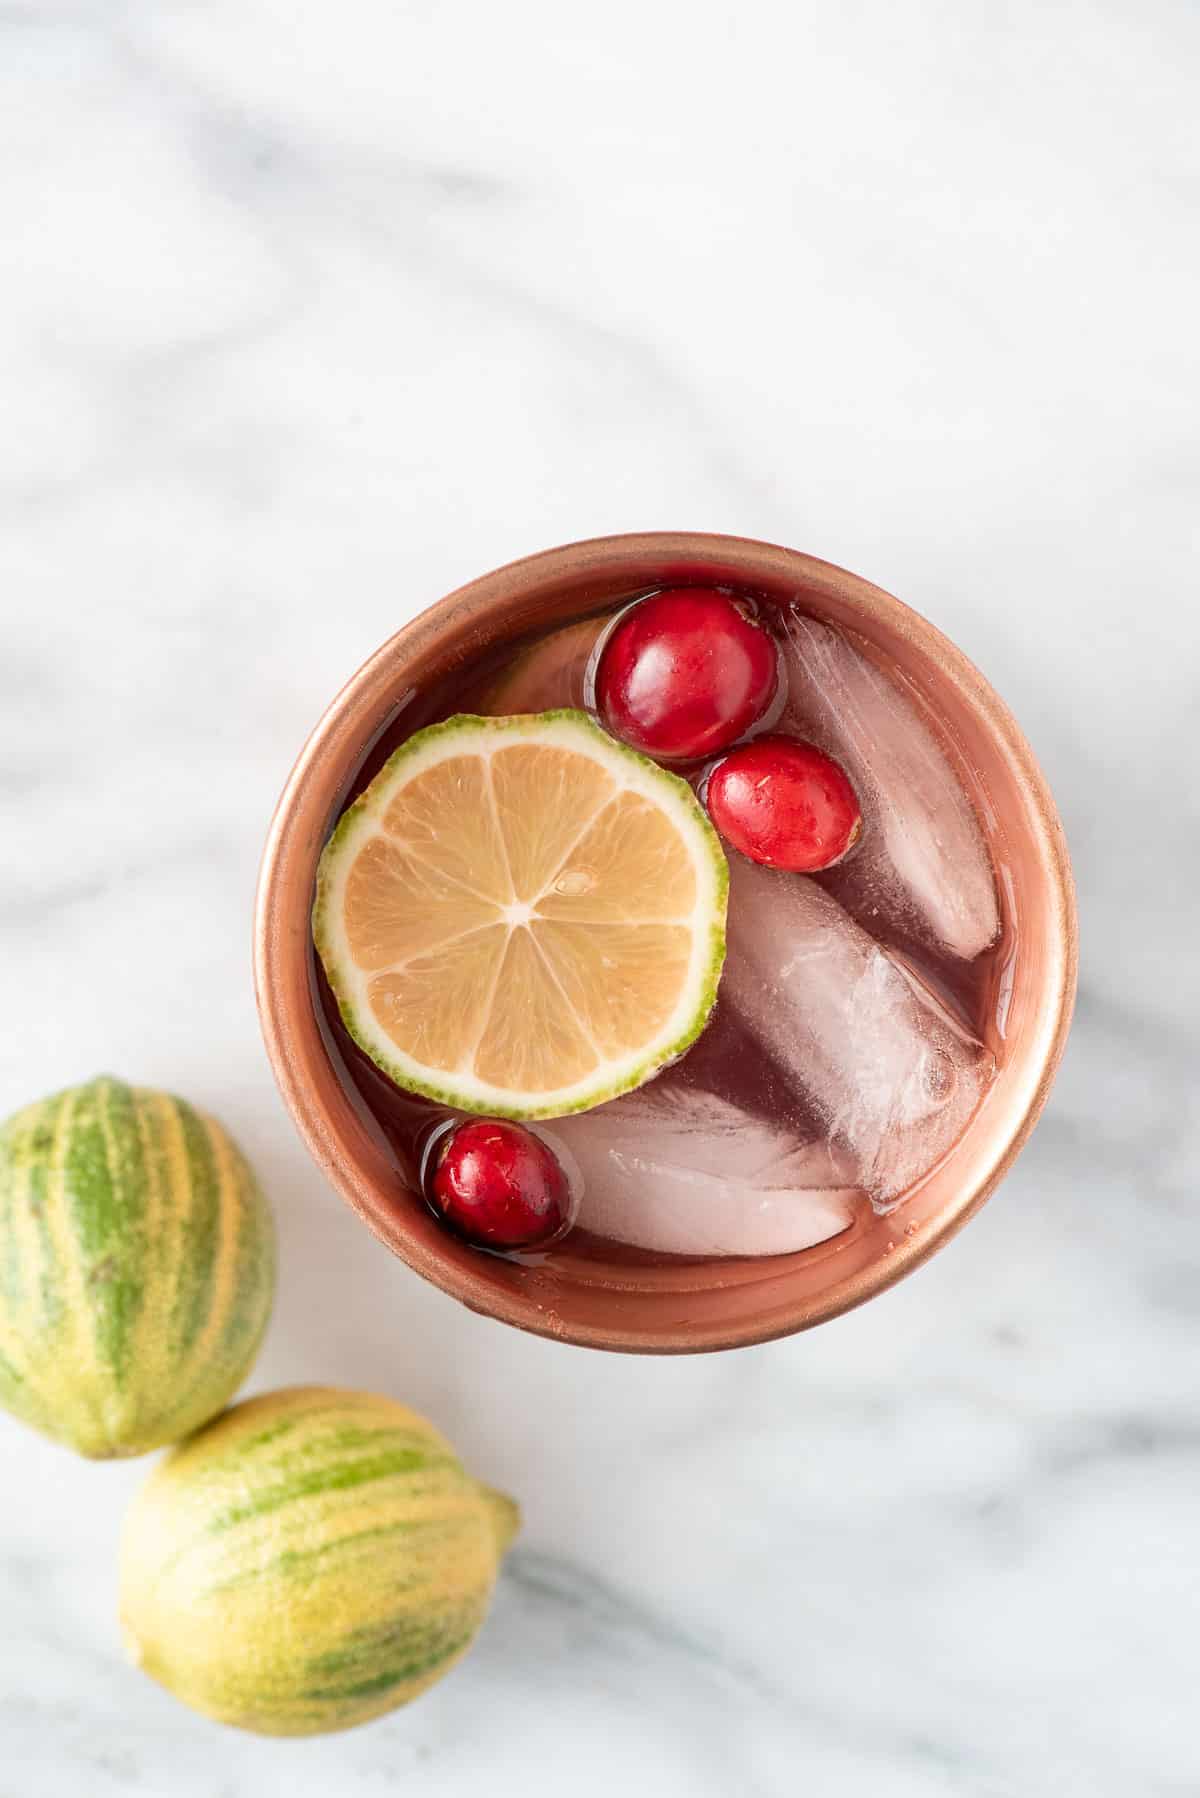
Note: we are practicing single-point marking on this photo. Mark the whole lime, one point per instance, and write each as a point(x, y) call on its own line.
point(137, 1267)
point(309, 1560)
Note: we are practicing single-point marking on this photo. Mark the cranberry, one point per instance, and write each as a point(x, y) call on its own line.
point(685, 673)
point(784, 804)
point(500, 1185)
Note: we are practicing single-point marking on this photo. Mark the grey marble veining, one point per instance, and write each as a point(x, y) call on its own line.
point(311, 313)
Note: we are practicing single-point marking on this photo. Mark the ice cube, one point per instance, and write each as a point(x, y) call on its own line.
point(684, 1172)
point(922, 854)
point(892, 1075)
point(551, 673)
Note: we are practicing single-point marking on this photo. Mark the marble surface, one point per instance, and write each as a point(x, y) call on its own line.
point(310, 313)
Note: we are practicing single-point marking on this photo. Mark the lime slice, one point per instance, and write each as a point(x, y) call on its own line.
point(521, 916)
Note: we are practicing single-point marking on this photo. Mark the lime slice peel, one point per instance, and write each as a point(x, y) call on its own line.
point(479, 933)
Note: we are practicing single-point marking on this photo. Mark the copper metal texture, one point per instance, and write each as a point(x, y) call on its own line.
point(676, 1307)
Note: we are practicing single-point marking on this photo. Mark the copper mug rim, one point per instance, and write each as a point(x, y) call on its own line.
point(716, 1304)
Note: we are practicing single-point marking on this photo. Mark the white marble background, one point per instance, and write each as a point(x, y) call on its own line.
point(310, 312)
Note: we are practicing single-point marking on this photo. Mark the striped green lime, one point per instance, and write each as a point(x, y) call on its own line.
point(309, 1560)
point(137, 1267)
point(522, 916)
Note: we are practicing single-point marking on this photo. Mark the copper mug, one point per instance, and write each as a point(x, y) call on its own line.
point(707, 1304)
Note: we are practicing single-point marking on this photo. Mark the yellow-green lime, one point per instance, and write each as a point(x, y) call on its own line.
point(309, 1560)
point(137, 1267)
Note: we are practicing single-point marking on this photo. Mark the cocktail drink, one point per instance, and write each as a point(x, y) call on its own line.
point(679, 930)
point(510, 928)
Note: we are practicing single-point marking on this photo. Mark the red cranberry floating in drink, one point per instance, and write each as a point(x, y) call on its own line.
point(685, 673)
point(499, 1185)
point(784, 804)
